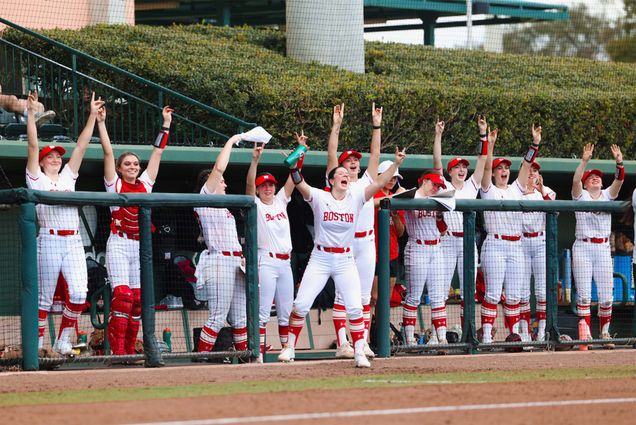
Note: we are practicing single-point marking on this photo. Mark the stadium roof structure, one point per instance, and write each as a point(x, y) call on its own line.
point(272, 12)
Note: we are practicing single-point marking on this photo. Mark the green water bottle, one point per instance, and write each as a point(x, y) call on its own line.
point(167, 338)
point(293, 157)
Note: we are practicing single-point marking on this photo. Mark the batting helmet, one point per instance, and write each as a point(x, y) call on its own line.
point(452, 337)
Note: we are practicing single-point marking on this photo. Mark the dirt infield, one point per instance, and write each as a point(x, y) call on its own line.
point(415, 395)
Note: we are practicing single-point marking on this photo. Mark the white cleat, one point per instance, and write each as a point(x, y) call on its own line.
point(345, 351)
point(608, 345)
point(368, 351)
point(287, 355)
point(64, 348)
point(486, 339)
point(362, 361)
point(410, 342)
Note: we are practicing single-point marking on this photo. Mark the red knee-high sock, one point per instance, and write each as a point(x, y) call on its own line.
point(296, 323)
point(42, 316)
point(356, 326)
point(604, 316)
point(283, 334)
point(133, 322)
point(366, 316)
point(69, 318)
point(584, 313)
point(120, 308)
point(207, 339)
point(488, 313)
point(524, 314)
point(261, 332)
point(438, 317)
point(541, 310)
point(339, 316)
point(511, 315)
point(409, 319)
point(239, 336)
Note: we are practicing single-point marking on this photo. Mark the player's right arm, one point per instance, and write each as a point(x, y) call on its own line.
point(577, 184)
point(482, 154)
point(33, 151)
point(437, 147)
point(332, 145)
point(486, 179)
point(85, 136)
point(110, 172)
point(250, 181)
point(384, 178)
point(301, 139)
point(220, 164)
point(524, 171)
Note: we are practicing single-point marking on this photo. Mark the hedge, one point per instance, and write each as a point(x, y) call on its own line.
point(244, 72)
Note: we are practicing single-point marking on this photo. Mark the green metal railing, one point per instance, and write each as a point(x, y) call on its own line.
point(470, 208)
point(134, 113)
point(152, 355)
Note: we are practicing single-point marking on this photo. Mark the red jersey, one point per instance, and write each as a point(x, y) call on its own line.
point(394, 249)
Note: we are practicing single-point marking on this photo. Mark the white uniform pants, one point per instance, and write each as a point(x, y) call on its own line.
point(534, 253)
point(122, 261)
point(342, 269)
point(504, 267)
point(61, 254)
point(275, 281)
point(364, 256)
point(425, 267)
point(592, 261)
point(453, 252)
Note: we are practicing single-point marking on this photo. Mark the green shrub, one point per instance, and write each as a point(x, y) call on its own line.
point(244, 72)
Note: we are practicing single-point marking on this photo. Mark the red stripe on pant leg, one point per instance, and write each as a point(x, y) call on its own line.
point(339, 317)
point(356, 326)
point(366, 315)
point(296, 323)
point(239, 335)
point(207, 339)
point(283, 332)
point(488, 313)
point(42, 316)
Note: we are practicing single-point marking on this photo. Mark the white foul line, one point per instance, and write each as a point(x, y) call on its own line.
point(405, 411)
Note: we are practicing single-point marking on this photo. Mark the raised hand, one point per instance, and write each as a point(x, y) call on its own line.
point(588, 149)
point(101, 114)
point(376, 114)
point(166, 112)
point(616, 152)
point(32, 102)
point(96, 104)
point(399, 156)
point(492, 136)
point(536, 134)
point(302, 139)
point(439, 127)
point(257, 152)
point(483, 125)
point(338, 114)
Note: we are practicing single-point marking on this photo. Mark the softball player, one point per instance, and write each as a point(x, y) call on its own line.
point(502, 256)
point(60, 248)
point(364, 238)
point(465, 188)
point(591, 254)
point(534, 254)
point(335, 216)
point(424, 262)
point(219, 268)
point(274, 246)
point(122, 248)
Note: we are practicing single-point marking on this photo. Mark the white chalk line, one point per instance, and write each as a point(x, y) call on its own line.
point(403, 411)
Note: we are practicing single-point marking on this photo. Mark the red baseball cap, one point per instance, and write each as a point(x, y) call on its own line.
point(346, 154)
point(265, 178)
point(434, 177)
point(590, 172)
point(497, 161)
point(455, 161)
point(50, 148)
point(536, 165)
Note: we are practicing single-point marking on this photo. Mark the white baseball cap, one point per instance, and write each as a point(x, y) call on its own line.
point(384, 165)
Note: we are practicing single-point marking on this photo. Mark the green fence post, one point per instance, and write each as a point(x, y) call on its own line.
point(29, 291)
point(552, 265)
point(151, 348)
point(251, 281)
point(468, 334)
point(382, 306)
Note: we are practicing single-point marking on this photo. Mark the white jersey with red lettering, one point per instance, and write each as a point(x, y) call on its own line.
point(56, 217)
point(500, 222)
point(335, 220)
point(591, 252)
point(273, 224)
point(421, 224)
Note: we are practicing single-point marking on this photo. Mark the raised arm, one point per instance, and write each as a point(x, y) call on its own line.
point(250, 181)
point(437, 148)
point(84, 138)
point(160, 143)
point(33, 150)
point(619, 175)
point(332, 145)
point(376, 137)
point(486, 179)
point(532, 153)
point(110, 171)
point(577, 184)
point(289, 184)
point(384, 178)
point(220, 164)
point(482, 154)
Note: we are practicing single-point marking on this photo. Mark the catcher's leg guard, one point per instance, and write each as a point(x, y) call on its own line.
point(120, 308)
point(133, 322)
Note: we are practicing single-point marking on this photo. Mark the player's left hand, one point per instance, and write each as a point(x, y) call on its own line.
point(376, 115)
point(618, 155)
point(32, 101)
point(302, 139)
point(257, 152)
point(399, 156)
point(536, 134)
point(166, 112)
point(439, 127)
point(492, 136)
point(101, 114)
